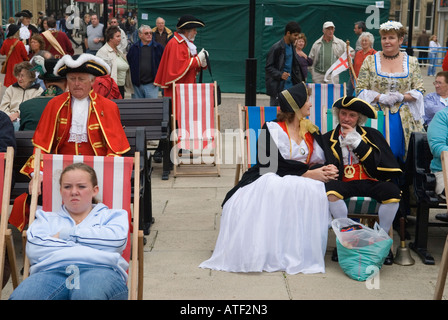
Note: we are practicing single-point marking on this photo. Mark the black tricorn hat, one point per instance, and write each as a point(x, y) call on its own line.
point(189, 22)
point(24, 13)
point(49, 75)
point(292, 99)
point(12, 29)
point(84, 63)
point(355, 104)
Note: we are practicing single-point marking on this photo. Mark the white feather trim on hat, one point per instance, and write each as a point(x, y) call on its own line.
point(83, 58)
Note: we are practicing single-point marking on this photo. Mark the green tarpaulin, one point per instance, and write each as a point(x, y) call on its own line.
point(226, 34)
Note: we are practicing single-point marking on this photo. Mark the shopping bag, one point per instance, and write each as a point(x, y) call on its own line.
point(361, 250)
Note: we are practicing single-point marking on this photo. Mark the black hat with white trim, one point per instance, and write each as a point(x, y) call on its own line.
point(84, 63)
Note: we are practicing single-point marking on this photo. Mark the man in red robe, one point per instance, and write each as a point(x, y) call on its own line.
point(180, 61)
point(78, 122)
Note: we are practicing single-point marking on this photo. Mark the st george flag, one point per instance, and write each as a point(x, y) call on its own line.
point(336, 68)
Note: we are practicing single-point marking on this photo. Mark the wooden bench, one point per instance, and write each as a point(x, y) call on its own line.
point(154, 115)
point(419, 193)
point(137, 140)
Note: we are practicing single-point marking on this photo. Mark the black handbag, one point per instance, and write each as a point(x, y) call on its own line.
point(218, 89)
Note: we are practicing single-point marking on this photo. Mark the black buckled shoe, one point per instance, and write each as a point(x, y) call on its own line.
point(157, 156)
point(442, 217)
point(334, 255)
point(389, 259)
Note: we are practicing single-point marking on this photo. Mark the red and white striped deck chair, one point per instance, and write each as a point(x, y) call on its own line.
point(6, 242)
point(115, 190)
point(195, 128)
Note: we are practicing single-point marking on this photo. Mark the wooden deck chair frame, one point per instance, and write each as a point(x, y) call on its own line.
point(6, 241)
point(246, 138)
point(136, 254)
point(443, 269)
point(361, 207)
point(196, 166)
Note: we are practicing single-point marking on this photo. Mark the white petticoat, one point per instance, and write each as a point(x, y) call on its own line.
point(273, 224)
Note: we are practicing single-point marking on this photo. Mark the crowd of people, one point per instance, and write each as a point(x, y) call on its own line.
point(276, 218)
point(66, 99)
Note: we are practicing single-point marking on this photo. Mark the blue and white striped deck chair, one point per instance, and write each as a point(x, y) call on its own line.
point(322, 98)
point(251, 120)
point(361, 207)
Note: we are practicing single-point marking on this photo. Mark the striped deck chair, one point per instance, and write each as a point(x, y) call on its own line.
point(6, 241)
point(362, 207)
point(115, 175)
point(322, 98)
point(195, 129)
point(251, 120)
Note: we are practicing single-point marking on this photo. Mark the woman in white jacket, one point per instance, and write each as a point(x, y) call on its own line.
point(24, 89)
point(119, 67)
point(75, 253)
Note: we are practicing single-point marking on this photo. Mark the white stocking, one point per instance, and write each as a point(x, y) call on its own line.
point(386, 214)
point(338, 209)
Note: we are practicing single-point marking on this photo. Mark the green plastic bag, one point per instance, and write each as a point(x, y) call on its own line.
point(361, 250)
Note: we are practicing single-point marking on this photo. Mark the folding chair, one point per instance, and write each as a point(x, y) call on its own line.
point(441, 278)
point(322, 98)
point(251, 120)
point(6, 242)
point(195, 123)
point(115, 190)
point(362, 207)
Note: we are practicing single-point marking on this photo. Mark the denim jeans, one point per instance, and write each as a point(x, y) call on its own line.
point(91, 51)
point(74, 282)
point(145, 91)
point(432, 61)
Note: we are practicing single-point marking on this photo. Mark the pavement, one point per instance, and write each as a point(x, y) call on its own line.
point(187, 214)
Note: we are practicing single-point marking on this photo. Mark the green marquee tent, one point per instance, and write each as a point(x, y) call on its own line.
point(226, 34)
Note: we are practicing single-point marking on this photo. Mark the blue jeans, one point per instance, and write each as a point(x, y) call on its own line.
point(91, 51)
point(145, 91)
point(432, 61)
point(75, 282)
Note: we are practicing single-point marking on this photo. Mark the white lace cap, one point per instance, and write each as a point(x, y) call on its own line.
point(389, 25)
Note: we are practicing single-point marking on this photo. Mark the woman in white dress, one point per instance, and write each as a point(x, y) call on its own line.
point(276, 218)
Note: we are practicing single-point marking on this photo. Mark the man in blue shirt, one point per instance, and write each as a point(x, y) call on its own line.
point(144, 58)
point(282, 66)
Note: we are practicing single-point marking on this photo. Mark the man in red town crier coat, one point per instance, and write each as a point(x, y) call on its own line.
point(180, 61)
point(78, 122)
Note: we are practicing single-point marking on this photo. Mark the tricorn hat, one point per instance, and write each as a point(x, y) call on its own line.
point(292, 99)
point(356, 104)
point(189, 22)
point(47, 68)
point(24, 13)
point(85, 63)
point(12, 29)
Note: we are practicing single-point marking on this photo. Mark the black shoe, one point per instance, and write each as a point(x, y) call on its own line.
point(157, 156)
point(389, 259)
point(442, 217)
point(334, 255)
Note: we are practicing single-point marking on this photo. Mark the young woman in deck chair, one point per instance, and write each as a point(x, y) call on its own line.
point(75, 253)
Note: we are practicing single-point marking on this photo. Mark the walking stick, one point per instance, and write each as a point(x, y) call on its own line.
point(353, 78)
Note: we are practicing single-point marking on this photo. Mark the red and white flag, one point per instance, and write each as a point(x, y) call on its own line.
point(337, 67)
